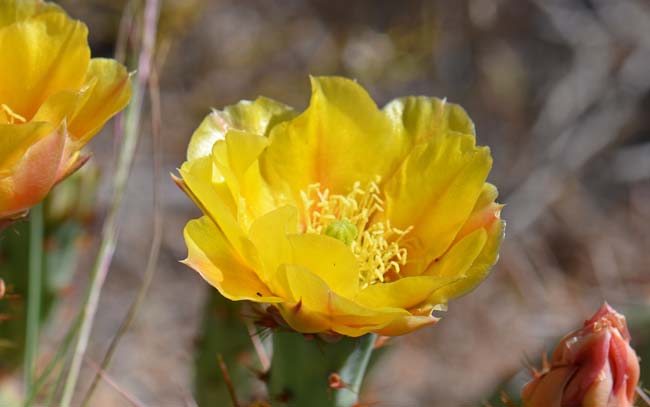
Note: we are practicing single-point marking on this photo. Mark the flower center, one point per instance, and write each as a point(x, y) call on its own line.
point(10, 116)
point(350, 219)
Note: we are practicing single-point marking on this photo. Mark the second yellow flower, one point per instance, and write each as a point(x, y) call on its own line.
point(53, 99)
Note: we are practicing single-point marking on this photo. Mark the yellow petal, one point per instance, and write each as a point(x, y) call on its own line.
point(422, 118)
point(302, 320)
point(58, 107)
point(42, 55)
point(484, 262)
point(269, 235)
point(256, 117)
point(204, 169)
point(243, 150)
point(484, 220)
point(460, 256)
point(17, 139)
point(341, 138)
point(329, 259)
point(471, 259)
point(404, 293)
point(214, 201)
point(13, 11)
point(406, 324)
point(317, 305)
point(236, 159)
point(108, 91)
point(274, 236)
point(211, 255)
point(434, 191)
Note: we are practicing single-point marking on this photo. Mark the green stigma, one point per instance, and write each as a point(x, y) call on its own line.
point(342, 230)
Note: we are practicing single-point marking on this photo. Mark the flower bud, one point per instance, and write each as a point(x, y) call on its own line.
point(591, 367)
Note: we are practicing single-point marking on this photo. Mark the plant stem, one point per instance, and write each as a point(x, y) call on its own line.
point(154, 251)
point(33, 294)
point(110, 231)
point(60, 355)
point(97, 278)
point(301, 369)
point(354, 370)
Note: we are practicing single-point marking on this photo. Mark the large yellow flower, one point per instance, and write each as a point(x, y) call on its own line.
point(53, 99)
point(347, 218)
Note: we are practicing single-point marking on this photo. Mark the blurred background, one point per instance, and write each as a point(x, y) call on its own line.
point(559, 90)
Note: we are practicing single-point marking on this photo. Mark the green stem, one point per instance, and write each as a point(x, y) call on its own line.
point(301, 370)
point(60, 355)
point(354, 370)
point(33, 293)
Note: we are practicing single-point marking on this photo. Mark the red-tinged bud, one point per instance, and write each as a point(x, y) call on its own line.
point(591, 367)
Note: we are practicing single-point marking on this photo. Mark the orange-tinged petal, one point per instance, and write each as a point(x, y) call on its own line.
point(33, 175)
point(210, 254)
point(341, 138)
point(485, 212)
point(59, 108)
point(45, 55)
point(17, 139)
point(108, 90)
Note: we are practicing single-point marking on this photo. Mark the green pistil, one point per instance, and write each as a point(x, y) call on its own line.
point(342, 230)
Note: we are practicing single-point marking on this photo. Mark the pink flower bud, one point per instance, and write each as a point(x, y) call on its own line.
point(591, 367)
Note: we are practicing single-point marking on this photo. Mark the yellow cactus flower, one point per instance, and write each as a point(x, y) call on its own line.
point(53, 99)
point(346, 218)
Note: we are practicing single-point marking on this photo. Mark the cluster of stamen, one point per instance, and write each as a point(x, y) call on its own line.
point(375, 243)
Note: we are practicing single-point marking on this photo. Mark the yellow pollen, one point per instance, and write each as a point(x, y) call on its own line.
point(10, 116)
point(377, 244)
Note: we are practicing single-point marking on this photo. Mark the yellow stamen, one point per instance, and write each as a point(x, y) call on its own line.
point(10, 116)
point(377, 243)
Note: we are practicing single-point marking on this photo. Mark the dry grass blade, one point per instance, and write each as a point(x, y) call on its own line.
point(110, 230)
point(106, 377)
point(262, 354)
point(154, 252)
point(228, 380)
